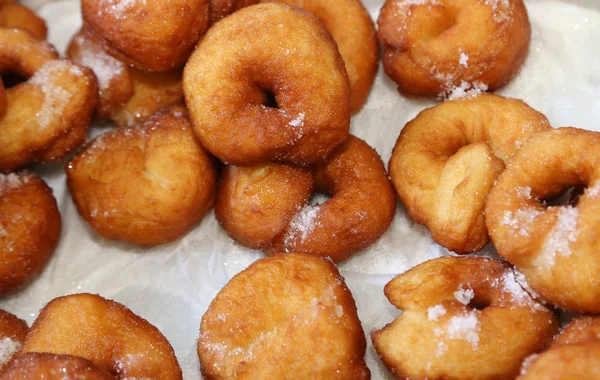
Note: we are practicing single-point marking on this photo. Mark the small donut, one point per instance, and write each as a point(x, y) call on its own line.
point(289, 316)
point(151, 35)
point(21, 17)
point(53, 367)
point(266, 207)
point(223, 8)
point(47, 116)
point(12, 335)
point(106, 333)
point(462, 318)
point(351, 27)
point(146, 185)
point(262, 50)
point(433, 46)
point(446, 161)
point(554, 246)
point(30, 227)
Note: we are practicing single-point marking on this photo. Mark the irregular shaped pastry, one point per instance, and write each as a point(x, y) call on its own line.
point(287, 316)
point(223, 8)
point(446, 161)
point(30, 226)
point(21, 17)
point(259, 51)
point(12, 335)
point(266, 206)
point(351, 27)
point(463, 318)
point(146, 185)
point(433, 47)
point(105, 333)
point(554, 246)
point(53, 367)
point(152, 35)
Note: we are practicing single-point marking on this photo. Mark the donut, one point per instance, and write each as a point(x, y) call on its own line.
point(554, 246)
point(21, 17)
point(12, 335)
point(573, 355)
point(223, 8)
point(106, 333)
point(53, 367)
point(30, 227)
point(433, 47)
point(47, 116)
point(462, 318)
point(267, 206)
point(151, 35)
point(124, 183)
point(351, 27)
point(447, 158)
point(268, 83)
point(286, 316)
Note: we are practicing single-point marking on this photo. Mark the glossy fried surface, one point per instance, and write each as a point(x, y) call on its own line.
point(153, 35)
point(53, 367)
point(554, 246)
point(30, 226)
point(21, 17)
point(446, 161)
point(146, 185)
point(12, 335)
point(268, 49)
point(290, 316)
point(433, 46)
point(351, 27)
point(463, 318)
point(223, 8)
point(106, 333)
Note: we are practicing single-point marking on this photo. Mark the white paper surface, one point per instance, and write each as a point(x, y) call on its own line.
point(172, 285)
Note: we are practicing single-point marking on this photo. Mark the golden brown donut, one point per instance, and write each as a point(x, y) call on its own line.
point(12, 335)
point(446, 161)
point(351, 27)
point(290, 316)
point(30, 226)
point(463, 318)
point(152, 35)
point(53, 367)
point(554, 246)
point(106, 333)
point(223, 8)
point(146, 185)
point(266, 206)
point(432, 47)
point(21, 17)
point(47, 116)
point(268, 49)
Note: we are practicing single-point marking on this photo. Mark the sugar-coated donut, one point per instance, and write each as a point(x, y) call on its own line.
point(152, 35)
point(463, 318)
point(106, 333)
point(446, 161)
point(223, 8)
point(53, 367)
point(30, 226)
point(260, 50)
point(554, 246)
point(351, 27)
point(290, 316)
point(46, 116)
point(21, 17)
point(146, 185)
point(266, 206)
point(433, 47)
point(12, 335)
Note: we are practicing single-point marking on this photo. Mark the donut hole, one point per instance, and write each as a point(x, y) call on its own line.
point(12, 79)
point(318, 198)
point(568, 197)
point(270, 100)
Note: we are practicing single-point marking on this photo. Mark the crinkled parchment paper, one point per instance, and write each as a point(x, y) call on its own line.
point(172, 285)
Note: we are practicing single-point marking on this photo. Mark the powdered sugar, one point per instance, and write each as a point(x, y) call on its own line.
point(303, 224)
point(465, 327)
point(298, 121)
point(465, 90)
point(594, 191)
point(521, 220)
point(501, 10)
point(103, 65)
point(464, 59)
point(560, 236)
point(464, 295)
point(435, 312)
point(12, 181)
point(514, 284)
point(8, 348)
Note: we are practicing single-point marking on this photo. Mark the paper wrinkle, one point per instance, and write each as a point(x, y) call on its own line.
point(172, 285)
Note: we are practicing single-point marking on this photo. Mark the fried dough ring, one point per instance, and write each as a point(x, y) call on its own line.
point(21, 17)
point(106, 333)
point(266, 207)
point(446, 161)
point(554, 247)
point(30, 226)
point(53, 367)
point(144, 200)
point(223, 8)
point(463, 318)
point(268, 48)
point(12, 335)
point(47, 116)
point(432, 46)
point(351, 27)
point(153, 35)
point(287, 316)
